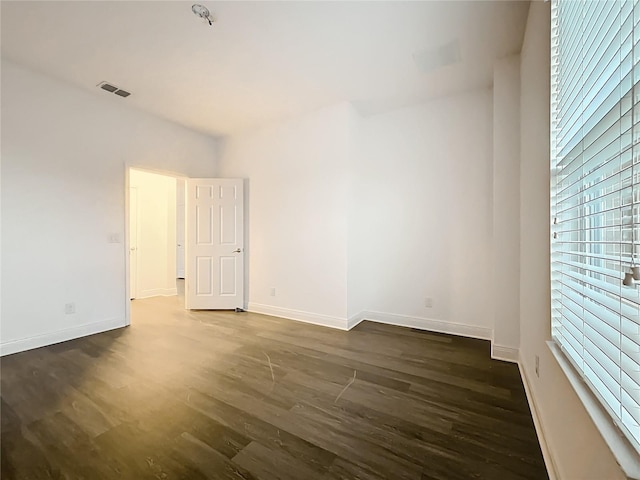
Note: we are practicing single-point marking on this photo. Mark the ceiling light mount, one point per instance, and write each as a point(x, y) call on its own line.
point(202, 12)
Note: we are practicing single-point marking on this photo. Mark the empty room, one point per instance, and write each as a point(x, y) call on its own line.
point(320, 240)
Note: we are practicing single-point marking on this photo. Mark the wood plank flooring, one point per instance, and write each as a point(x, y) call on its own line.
point(205, 395)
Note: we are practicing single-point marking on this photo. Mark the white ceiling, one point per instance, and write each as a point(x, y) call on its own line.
point(263, 60)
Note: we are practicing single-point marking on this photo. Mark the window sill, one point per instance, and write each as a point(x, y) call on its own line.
point(622, 450)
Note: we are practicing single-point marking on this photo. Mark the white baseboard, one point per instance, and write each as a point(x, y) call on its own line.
point(356, 319)
point(427, 324)
point(299, 315)
point(15, 346)
point(498, 352)
point(430, 324)
point(157, 292)
point(506, 354)
point(544, 446)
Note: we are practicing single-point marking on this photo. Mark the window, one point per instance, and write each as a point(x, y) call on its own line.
point(595, 198)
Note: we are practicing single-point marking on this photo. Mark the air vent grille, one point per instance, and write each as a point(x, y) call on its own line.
point(113, 89)
point(108, 88)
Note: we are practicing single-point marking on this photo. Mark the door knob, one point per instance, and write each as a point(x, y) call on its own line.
point(237, 250)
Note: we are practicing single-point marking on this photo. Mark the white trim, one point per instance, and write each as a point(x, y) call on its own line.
point(622, 450)
point(419, 323)
point(299, 315)
point(506, 354)
point(158, 292)
point(356, 319)
point(15, 346)
point(430, 324)
point(537, 422)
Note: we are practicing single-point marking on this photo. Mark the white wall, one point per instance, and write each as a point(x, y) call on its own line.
point(357, 291)
point(422, 221)
point(355, 217)
point(577, 449)
point(63, 189)
point(297, 216)
point(506, 208)
point(156, 246)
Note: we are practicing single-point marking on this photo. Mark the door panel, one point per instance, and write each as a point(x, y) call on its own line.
point(214, 240)
point(228, 225)
point(228, 276)
point(204, 225)
point(204, 280)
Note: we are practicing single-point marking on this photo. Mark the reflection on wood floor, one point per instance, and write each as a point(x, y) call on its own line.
point(208, 395)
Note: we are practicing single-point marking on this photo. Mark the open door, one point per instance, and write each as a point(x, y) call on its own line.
point(214, 244)
point(180, 226)
point(133, 243)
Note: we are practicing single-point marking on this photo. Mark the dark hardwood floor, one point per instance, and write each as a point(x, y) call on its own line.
point(203, 395)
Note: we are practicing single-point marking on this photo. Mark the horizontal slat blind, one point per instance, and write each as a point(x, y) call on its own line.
point(595, 204)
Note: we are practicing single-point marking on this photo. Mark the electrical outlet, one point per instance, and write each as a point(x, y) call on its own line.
point(428, 302)
point(273, 291)
point(537, 366)
point(69, 308)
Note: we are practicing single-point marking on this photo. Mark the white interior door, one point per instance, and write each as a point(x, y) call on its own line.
point(215, 244)
point(180, 250)
point(133, 242)
point(180, 235)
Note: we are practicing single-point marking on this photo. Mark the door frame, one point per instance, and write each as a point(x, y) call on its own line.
point(127, 234)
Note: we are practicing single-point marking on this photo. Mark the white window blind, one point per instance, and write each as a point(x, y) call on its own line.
point(595, 198)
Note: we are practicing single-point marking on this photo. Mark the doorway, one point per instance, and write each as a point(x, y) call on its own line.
point(153, 234)
point(185, 237)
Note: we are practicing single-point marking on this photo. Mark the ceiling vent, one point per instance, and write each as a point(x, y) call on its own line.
point(434, 58)
point(108, 88)
point(113, 89)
